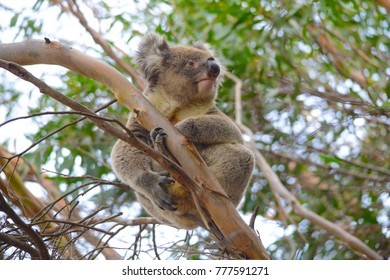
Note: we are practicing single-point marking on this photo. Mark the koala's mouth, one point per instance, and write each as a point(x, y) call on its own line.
point(206, 84)
point(206, 79)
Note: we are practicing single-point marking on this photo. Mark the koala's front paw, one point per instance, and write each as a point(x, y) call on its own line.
point(160, 194)
point(159, 140)
point(190, 128)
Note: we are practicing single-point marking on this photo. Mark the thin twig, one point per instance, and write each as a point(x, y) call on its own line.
point(35, 237)
point(13, 241)
point(71, 224)
point(154, 242)
point(98, 38)
point(253, 217)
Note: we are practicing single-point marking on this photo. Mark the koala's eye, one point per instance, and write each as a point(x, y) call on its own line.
point(190, 63)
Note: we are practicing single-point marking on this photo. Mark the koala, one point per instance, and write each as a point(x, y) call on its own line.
point(182, 83)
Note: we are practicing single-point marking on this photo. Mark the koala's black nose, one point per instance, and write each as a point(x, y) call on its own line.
point(213, 69)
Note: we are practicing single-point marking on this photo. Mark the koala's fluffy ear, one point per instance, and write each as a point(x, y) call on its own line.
point(150, 54)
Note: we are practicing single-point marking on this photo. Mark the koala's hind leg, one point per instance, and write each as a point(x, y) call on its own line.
point(186, 214)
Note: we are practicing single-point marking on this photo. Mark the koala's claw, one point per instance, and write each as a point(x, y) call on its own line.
point(159, 140)
point(165, 179)
point(156, 132)
point(164, 201)
point(162, 197)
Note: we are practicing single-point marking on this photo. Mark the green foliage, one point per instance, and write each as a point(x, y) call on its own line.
point(315, 92)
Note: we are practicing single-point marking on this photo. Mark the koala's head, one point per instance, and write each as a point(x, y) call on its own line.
point(188, 74)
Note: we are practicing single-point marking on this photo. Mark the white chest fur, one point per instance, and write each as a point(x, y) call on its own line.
point(173, 110)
